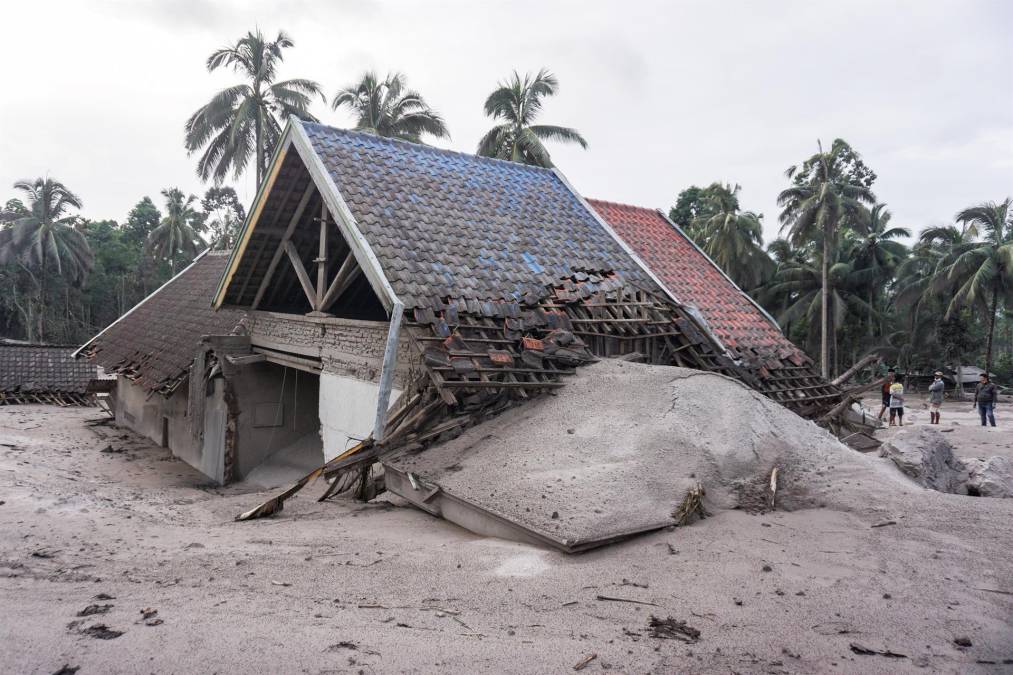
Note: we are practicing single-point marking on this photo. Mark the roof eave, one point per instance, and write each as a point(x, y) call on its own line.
point(254, 215)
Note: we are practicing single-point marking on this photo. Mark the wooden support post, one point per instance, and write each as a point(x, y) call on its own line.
point(321, 260)
point(300, 272)
point(303, 201)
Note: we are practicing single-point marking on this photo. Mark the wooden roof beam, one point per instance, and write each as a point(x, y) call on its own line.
point(303, 201)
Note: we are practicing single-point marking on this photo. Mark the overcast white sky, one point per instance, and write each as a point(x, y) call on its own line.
point(668, 94)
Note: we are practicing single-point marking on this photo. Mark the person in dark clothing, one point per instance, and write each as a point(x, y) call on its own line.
point(891, 375)
point(985, 397)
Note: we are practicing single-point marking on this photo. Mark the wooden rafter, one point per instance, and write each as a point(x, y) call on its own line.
point(303, 201)
point(346, 274)
point(300, 270)
point(267, 231)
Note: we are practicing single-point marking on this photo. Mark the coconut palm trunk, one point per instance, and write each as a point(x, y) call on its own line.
point(991, 330)
point(825, 310)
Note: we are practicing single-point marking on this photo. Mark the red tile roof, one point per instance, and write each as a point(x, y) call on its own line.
point(739, 323)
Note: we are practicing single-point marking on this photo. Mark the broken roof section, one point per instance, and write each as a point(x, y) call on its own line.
point(31, 368)
point(744, 327)
point(155, 342)
point(426, 224)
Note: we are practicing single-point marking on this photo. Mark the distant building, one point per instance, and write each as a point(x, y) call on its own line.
point(39, 373)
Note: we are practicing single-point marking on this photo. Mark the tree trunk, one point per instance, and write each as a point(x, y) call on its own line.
point(991, 331)
point(825, 309)
point(40, 331)
point(260, 149)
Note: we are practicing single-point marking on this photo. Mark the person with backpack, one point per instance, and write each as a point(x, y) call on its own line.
point(897, 403)
point(985, 397)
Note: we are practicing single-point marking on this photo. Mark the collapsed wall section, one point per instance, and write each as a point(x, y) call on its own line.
point(348, 356)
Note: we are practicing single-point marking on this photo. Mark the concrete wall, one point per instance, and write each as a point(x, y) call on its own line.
point(277, 406)
point(142, 413)
point(346, 347)
point(347, 411)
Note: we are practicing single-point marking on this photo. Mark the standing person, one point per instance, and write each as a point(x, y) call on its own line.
point(936, 397)
point(985, 396)
point(897, 403)
point(885, 391)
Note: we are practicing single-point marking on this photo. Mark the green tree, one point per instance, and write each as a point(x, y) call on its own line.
point(43, 239)
point(878, 250)
point(12, 210)
point(176, 233)
point(518, 103)
point(804, 284)
point(688, 206)
point(246, 119)
point(141, 220)
point(981, 271)
point(732, 238)
point(389, 108)
point(224, 214)
point(828, 190)
point(923, 291)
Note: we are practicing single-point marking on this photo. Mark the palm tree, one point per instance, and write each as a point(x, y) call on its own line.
point(921, 285)
point(981, 271)
point(877, 250)
point(388, 108)
point(804, 283)
point(176, 233)
point(43, 238)
point(517, 102)
point(828, 190)
point(733, 239)
point(247, 119)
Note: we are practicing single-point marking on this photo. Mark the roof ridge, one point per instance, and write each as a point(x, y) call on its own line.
point(425, 146)
point(622, 204)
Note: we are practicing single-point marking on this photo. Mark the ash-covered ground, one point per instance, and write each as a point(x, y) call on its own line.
point(126, 561)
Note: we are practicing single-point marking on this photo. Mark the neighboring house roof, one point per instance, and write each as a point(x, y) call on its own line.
point(443, 223)
point(743, 327)
point(31, 368)
point(155, 342)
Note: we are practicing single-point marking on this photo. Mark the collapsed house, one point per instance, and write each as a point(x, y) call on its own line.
point(153, 349)
point(386, 296)
point(40, 373)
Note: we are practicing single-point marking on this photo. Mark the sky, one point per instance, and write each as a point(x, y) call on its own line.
point(668, 94)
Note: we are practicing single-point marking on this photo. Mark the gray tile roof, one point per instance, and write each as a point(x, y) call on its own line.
point(443, 223)
point(43, 368)
point(156, 341)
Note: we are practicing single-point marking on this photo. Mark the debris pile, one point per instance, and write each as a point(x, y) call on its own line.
point(623, 448)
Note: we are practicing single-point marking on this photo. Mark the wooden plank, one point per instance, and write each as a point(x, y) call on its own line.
point(300, 272)
point(476, 384)
point(276, 258)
